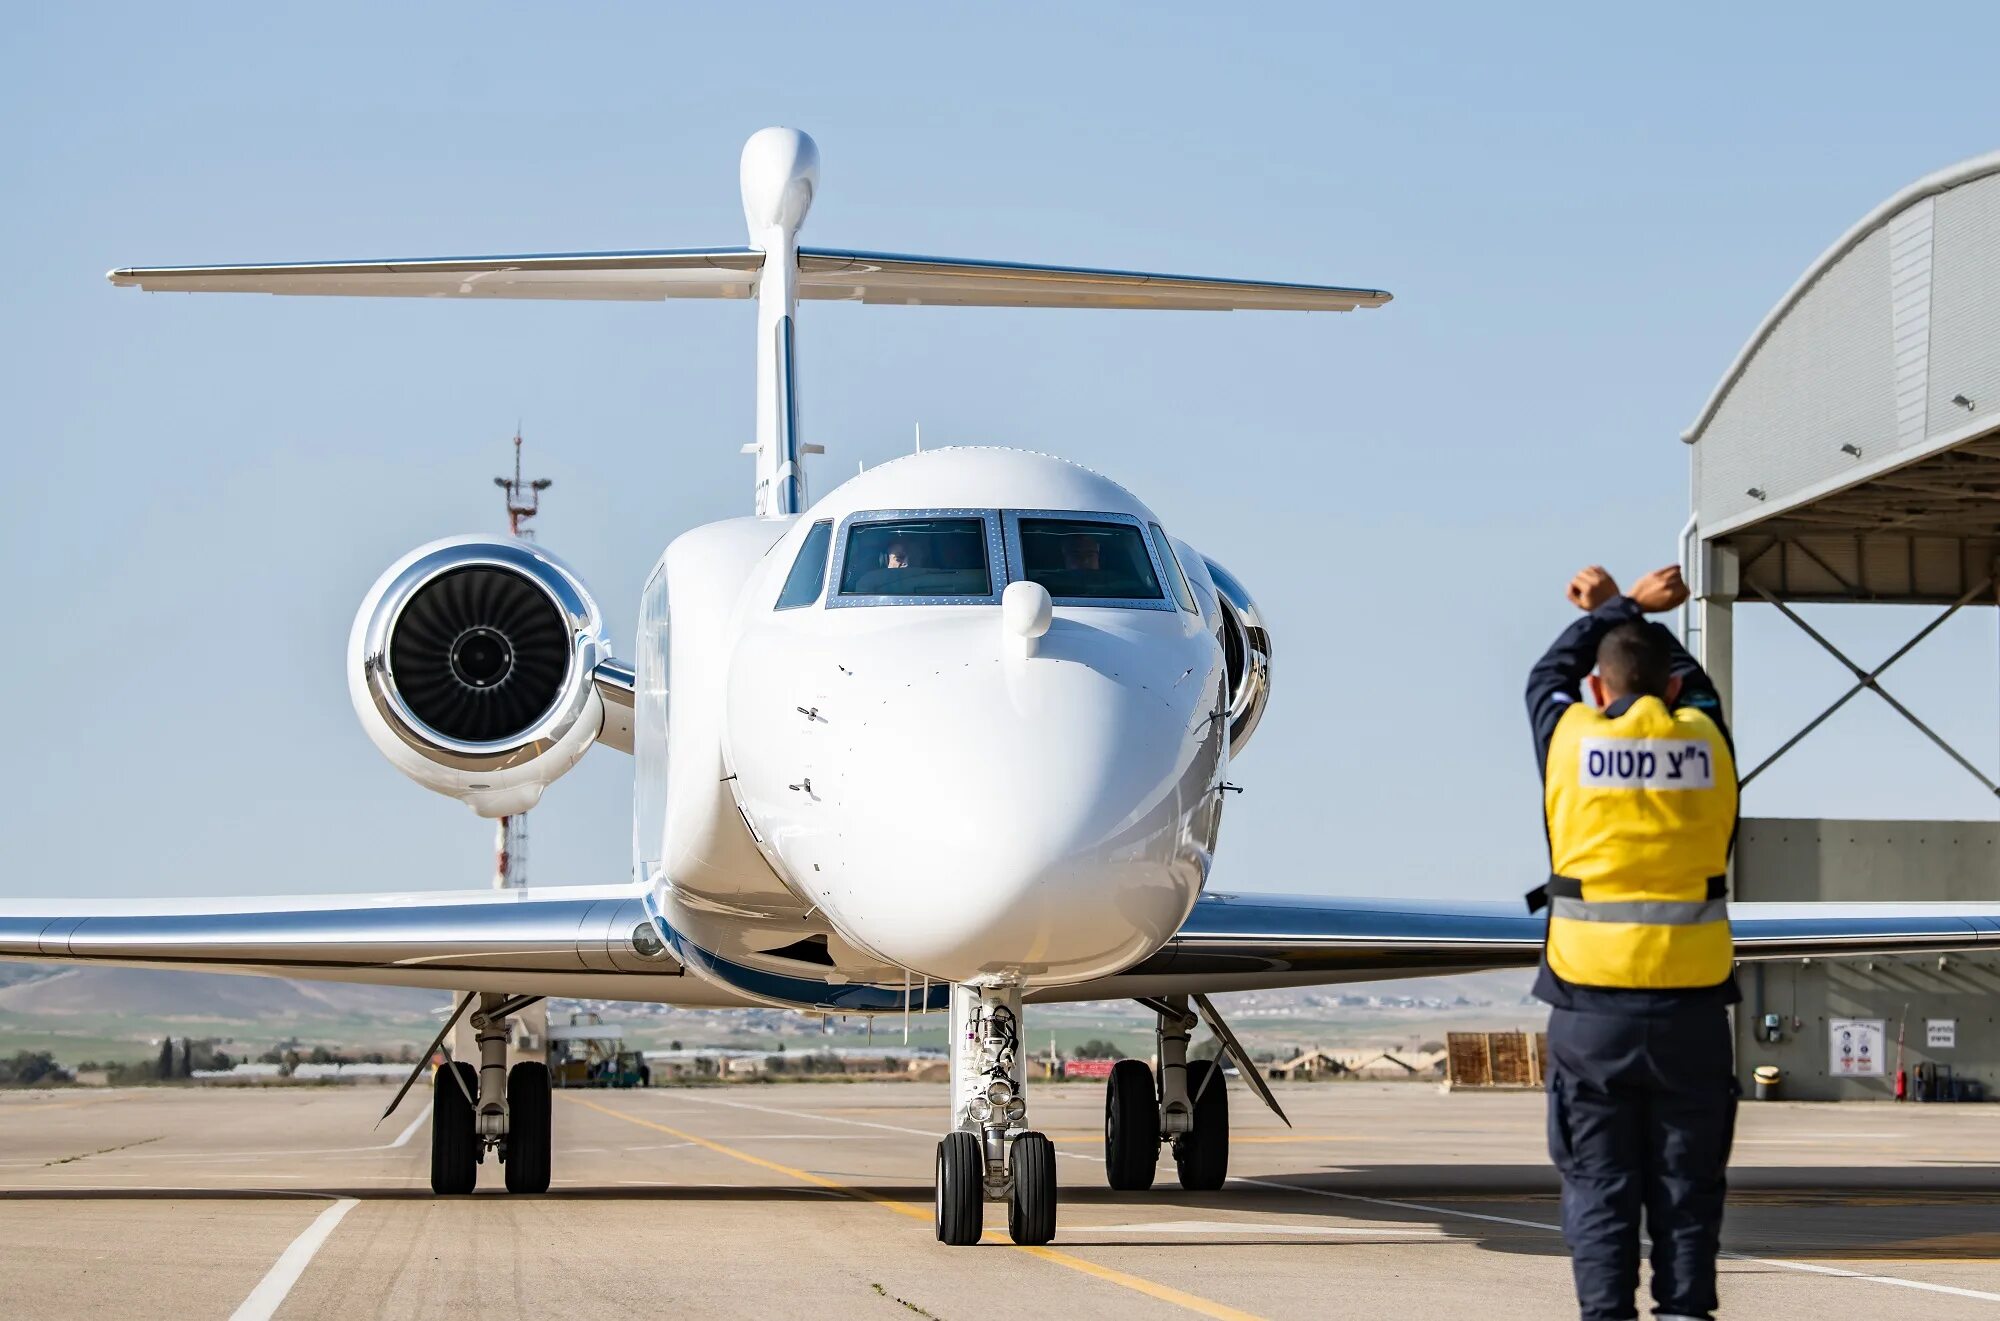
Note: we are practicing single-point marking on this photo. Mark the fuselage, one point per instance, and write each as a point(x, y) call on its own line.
point(878, 778)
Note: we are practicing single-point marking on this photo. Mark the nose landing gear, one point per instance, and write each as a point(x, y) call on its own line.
point(990, 1154)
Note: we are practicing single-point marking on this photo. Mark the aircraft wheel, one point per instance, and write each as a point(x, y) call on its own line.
point(961, 1189)
point(528, 1136)
point(1202, 1156)
point(1031, 1207)
point(1131, 1127)
point(454, 1132)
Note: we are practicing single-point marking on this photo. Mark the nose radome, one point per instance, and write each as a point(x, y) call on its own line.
point(1017, 817)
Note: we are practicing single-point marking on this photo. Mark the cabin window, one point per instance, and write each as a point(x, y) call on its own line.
point(808, 570)
point(932, 559)
point(1173, 568)
point(1096, 559)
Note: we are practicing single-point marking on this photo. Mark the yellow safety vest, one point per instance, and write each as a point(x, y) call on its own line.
point(1641, 812)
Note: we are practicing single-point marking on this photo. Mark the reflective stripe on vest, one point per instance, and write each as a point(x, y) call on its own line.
point(1652, 912)
point(1641, 808)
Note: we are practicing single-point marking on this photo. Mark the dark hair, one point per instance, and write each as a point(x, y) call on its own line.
point(1633, 661)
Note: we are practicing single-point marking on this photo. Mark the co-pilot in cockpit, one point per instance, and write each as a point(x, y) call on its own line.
point(916, 557)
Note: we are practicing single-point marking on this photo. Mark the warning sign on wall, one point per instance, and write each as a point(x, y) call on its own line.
point(1855, 1047)
point(1941, 1033)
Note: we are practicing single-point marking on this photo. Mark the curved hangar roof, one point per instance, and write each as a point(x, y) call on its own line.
point(1852, 450)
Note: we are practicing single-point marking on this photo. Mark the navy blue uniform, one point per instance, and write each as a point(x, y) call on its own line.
point(1642, 1092)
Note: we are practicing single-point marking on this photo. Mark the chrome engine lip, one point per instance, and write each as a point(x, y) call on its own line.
point(1248, 699)
point(560, 584)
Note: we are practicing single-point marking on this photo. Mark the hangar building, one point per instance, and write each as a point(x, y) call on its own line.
point(1851, 453)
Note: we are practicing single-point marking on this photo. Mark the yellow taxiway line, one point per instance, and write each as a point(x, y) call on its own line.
point(1162, 1292)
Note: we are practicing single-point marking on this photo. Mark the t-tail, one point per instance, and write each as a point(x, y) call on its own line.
point(779, 176)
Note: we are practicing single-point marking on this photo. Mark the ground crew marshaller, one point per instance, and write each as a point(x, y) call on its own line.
point(1639, 793)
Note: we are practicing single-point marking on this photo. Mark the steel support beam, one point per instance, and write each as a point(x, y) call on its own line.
point(1870, 680)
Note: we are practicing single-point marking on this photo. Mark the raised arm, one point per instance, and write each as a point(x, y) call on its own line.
point(1556, 680)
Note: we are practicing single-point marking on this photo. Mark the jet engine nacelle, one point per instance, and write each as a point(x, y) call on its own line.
point(1246, 653)
point(471, 666)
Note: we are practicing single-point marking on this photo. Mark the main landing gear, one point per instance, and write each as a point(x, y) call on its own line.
point(491, 1108)
point(1189, 1107)
point(990, 1155)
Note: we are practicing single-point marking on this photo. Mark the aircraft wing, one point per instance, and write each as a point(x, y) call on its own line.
point(1239, 942)
point(559, 940)
point(824, 273)
point(595, 940)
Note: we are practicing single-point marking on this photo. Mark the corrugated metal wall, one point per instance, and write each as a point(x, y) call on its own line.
point(1965, 306)
point(1825, 378)
point(1873, 356)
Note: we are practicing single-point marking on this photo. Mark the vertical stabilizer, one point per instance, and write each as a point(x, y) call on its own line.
point(779, 175)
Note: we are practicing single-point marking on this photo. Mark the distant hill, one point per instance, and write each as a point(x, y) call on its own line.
point(159, 993)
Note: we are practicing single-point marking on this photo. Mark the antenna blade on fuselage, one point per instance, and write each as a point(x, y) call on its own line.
point(878, 277)
point(684, 273)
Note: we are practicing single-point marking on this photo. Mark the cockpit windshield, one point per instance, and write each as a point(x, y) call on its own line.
point(1087, 560)
point(921, 557)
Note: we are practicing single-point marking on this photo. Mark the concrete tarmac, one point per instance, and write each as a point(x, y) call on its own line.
point(813, 1201)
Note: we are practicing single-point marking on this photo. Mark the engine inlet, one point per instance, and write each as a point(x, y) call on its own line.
point(479, 654)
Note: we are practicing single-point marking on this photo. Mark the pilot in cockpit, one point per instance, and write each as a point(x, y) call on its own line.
point(902, 554)
point(1081, 553)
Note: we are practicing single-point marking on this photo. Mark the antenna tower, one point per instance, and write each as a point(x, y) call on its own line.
point(524, 501)
point(524, 498)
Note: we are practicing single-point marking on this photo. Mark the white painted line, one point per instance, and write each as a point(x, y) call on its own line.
point(403, 1138)
point(189, 1191)
point(1241, 1227)
point(270, 1292)
point(1806, 1268)
point(1841, 1133)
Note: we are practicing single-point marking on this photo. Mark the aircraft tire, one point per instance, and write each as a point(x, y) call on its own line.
point(1202, 1156)
point(1031, 1206)
point(1131, 1127)
point(528, 1128)
point(961, 1189)
point(454, 1131)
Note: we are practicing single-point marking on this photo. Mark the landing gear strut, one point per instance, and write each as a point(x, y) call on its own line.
point(491, 1108)
point(990, 1154)
point(1189, 1108)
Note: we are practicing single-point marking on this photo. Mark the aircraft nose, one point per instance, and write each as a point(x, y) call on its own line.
point(1037, 816)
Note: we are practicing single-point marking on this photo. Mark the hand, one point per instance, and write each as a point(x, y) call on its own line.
point(1662, 589)
point(1591, 588)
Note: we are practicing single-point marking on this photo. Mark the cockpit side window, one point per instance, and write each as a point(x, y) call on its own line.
point(808, 573)
point(1165, 549)
point(1088, 560)
point(917, 558)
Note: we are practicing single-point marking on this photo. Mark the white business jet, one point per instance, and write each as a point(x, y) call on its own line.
point(954, 736)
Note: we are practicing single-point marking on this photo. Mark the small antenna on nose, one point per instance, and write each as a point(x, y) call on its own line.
point(920, 437)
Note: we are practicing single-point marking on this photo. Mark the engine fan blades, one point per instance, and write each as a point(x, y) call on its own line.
point(479, 654)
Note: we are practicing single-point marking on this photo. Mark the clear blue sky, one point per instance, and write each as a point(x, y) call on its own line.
point(1582, 215)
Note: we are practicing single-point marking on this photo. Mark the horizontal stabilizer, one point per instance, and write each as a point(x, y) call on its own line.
point(631, 276)
point(875, 277)
point(866, 277)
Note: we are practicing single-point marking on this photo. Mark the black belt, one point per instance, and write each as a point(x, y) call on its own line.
point(1568, 887)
